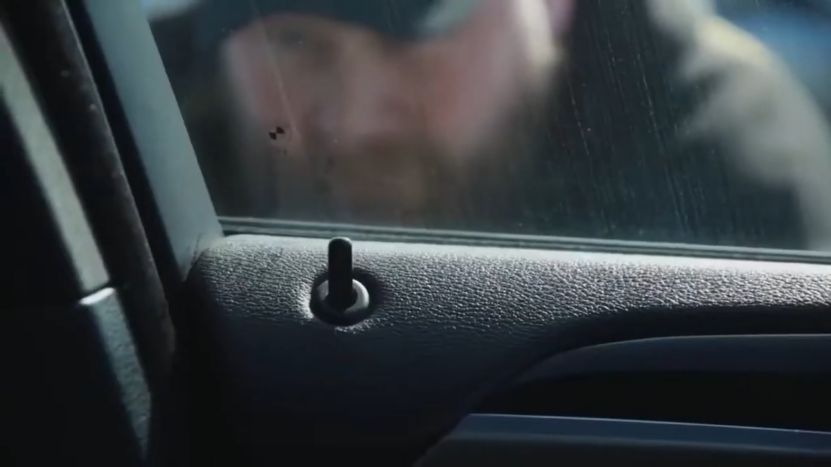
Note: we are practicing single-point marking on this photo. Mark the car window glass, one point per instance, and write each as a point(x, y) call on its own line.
point(681, 121)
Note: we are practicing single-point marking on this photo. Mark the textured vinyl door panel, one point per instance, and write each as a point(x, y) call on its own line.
point(451, 325)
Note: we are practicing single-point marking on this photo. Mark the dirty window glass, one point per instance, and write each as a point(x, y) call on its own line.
point(681, 121)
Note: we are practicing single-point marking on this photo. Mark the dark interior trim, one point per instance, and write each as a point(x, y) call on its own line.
point(57, 69)
point(485, 426)
point(526, 440)
point(54, 256)
point(150, 133)
point(752, 353)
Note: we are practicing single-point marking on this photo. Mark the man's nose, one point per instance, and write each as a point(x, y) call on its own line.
point(373, 104)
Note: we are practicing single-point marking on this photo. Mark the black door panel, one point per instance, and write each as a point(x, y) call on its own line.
point(528, 441)
point(772, 353)
point(452, 325)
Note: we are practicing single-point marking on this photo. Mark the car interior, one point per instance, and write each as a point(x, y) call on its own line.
point(142, 329)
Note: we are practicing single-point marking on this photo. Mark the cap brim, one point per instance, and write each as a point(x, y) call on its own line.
point(403, 19)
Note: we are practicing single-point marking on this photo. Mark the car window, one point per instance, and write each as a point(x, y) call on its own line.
point(683, 121)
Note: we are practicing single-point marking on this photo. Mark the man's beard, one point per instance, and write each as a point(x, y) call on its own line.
point(414, 183)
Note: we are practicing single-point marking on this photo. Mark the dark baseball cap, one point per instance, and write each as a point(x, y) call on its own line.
point(402, 19)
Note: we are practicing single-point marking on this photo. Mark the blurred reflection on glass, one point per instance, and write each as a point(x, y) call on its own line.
point(634, 120)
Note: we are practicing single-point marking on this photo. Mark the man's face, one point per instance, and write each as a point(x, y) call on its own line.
point(339, 123)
